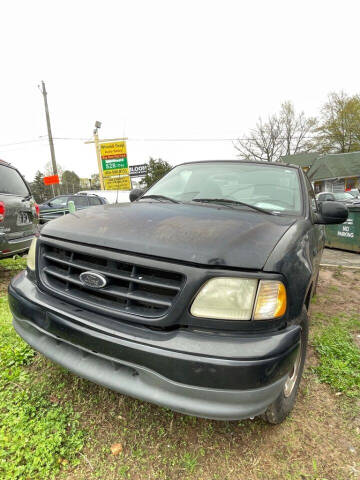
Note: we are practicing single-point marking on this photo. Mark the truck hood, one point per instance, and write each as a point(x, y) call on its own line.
point(200, 234)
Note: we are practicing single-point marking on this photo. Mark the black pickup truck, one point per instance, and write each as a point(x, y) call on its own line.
point(194, 296)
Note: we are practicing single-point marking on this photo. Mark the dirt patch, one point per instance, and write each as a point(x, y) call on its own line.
point(5, 277)
point(338, 292)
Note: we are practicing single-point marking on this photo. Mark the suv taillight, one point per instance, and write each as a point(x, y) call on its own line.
point(37, 209)
point(2, 211)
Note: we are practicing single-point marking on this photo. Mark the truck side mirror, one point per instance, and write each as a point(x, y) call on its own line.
point(135, 194)
point(331, 213)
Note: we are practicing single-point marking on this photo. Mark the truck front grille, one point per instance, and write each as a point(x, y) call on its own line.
point(131, 288)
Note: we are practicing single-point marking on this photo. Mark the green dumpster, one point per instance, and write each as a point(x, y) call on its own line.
point(345, 236)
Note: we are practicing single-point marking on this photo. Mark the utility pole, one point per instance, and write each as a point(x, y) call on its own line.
point(51, 143)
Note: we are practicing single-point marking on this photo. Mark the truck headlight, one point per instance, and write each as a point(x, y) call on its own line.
point(230, 298)
point(31, 258)
point(227, 298)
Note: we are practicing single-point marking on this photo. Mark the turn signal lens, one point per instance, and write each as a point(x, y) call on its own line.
point(271, 300)
point(31, 258)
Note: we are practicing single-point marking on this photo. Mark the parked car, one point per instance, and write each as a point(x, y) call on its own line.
point(354, 192)
point(58, 206)
point(18, 212)
point(343, 197)
point(187, 297)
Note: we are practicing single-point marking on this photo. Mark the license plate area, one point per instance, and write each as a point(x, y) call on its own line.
point(23, 218)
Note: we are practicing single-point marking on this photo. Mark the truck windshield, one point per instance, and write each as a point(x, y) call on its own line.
point(275, 189)
point(11, 182)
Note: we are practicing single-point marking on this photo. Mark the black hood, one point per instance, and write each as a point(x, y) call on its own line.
point(202, 234)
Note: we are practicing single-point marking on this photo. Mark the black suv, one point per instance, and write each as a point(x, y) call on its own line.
point(59, 206)
point(194, 296)
point(18, 212)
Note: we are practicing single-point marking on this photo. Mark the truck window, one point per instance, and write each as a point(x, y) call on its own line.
point(11, 182)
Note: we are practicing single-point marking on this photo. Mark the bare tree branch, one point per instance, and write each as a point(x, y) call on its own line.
point(282, 134)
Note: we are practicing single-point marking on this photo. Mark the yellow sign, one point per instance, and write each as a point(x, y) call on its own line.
point(117, 183)
point(117, 171)
point(113, 150)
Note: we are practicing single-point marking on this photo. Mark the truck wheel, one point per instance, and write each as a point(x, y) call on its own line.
point(282, 406)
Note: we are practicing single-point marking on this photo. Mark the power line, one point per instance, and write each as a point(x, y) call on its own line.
point(188, 139)
point(170, 139)
point(22, 142)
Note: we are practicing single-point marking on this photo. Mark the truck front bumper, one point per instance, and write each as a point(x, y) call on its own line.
point(242, 376)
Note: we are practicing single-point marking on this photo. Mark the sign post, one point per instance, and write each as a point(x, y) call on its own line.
point(98, 156)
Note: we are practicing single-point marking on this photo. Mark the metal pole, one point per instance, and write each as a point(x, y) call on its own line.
point(98, 155)
point(51, 143)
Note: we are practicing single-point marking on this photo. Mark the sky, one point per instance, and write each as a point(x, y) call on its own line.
point(151, 70)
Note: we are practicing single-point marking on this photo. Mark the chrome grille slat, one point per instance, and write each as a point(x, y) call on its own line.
point(132, 288)
point(154, 299)
point(169, 285)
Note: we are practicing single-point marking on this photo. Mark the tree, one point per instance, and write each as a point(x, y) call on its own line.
point(38, 188)
point(95, 181)
point(70, 182)
point(339, 130)
point(284, 133)
point(156, 169)
point(49, 170)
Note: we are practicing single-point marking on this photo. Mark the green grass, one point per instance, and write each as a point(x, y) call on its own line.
point(15, 264)
point(37, 437)
point(339, 355)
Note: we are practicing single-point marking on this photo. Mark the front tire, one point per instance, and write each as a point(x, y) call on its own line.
point(282, 406)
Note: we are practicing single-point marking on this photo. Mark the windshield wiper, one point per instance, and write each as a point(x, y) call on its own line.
point(160, 197)
point(228, 202)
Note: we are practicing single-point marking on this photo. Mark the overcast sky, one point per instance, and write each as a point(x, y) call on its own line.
point(164, 69)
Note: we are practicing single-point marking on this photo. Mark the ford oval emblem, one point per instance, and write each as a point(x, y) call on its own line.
point(93, 279)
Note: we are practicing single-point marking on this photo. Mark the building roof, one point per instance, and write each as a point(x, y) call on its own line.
point(335, 165)
point(300, 159)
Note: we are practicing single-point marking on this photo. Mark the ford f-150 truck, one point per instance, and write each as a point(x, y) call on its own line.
point(194, 296)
